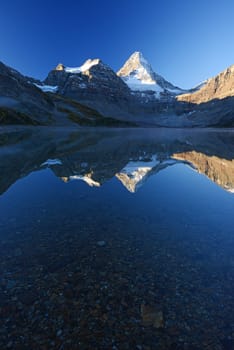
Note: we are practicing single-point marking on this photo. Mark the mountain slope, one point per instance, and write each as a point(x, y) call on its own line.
point(219, 87)
point(22, 97)
point(213, 103)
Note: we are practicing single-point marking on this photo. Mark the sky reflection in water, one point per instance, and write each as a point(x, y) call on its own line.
point(167, 234)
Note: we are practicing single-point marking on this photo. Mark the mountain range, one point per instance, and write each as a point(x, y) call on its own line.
point(93, 94)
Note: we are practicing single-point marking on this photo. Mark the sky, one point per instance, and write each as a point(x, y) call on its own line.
point(185, 41)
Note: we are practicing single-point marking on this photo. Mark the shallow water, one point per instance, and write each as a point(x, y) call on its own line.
point(116, 239)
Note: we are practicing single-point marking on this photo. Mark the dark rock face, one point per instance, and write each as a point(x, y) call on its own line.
point(18, 94)
point(98, 87)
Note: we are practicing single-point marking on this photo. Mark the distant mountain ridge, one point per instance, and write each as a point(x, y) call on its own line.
point(219, 87)
point(93, 94)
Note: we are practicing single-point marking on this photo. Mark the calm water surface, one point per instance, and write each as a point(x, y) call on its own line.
point(116, 239)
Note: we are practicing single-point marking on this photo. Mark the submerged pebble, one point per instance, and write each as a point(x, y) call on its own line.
point(101, 243)
point(152, 316)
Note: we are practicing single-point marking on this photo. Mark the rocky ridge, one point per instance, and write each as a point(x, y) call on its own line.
point(218, 87)
point(94, 84)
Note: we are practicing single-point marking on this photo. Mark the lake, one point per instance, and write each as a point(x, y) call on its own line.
point(116, 239)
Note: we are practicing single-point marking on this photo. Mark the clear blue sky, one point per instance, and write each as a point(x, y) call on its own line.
point(186, 41)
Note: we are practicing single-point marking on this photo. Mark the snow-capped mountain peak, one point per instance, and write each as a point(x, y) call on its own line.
point(137, 67)
point(138, 74)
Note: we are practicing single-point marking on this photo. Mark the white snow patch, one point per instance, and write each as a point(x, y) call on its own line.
point(176, 91)
point(191, 112)
point(86, 179)
point(52, 162)
point(86, 66)
point(47, 88)
point(136, 84)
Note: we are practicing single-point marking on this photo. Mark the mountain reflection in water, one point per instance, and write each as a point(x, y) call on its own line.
point(143, 259)
point(132, 156)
